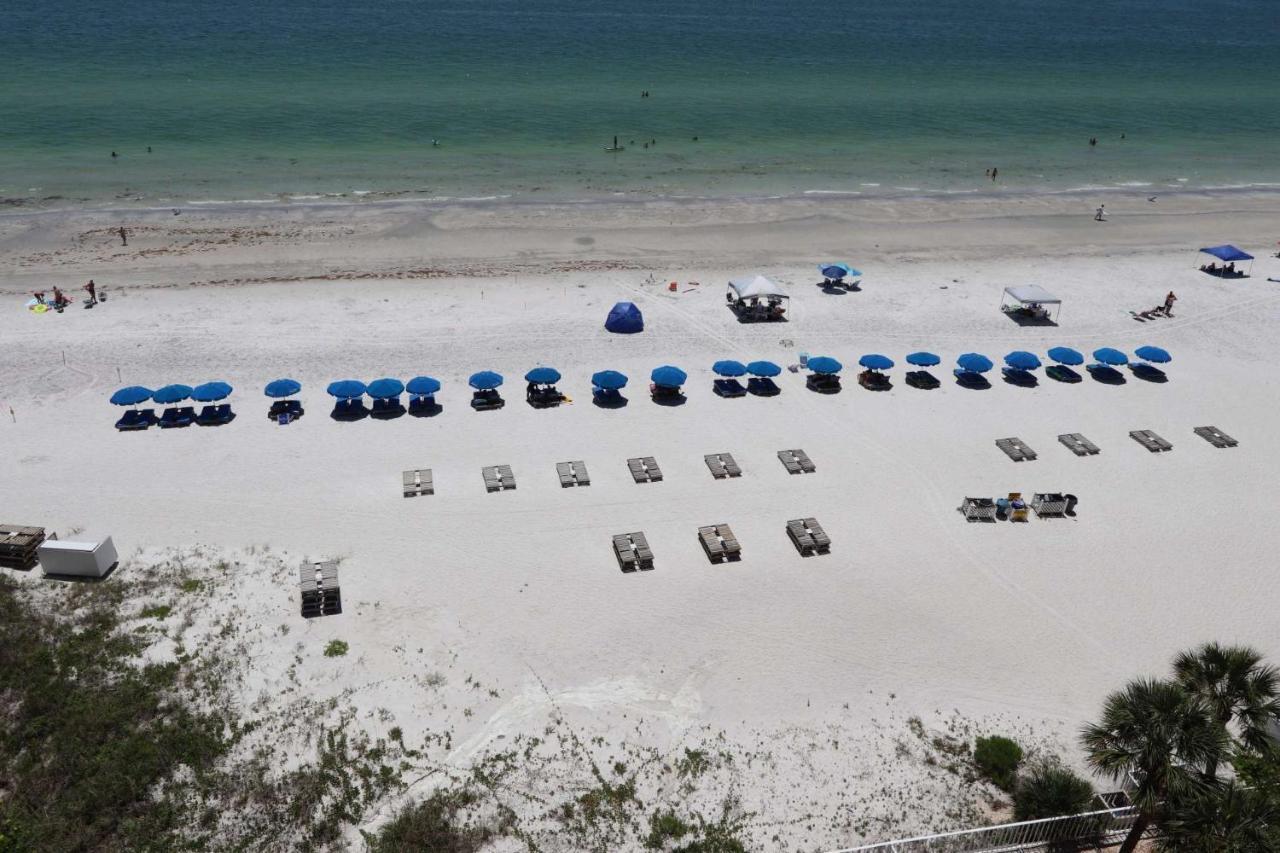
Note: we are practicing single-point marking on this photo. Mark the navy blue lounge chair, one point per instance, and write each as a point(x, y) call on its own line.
point(136, 419)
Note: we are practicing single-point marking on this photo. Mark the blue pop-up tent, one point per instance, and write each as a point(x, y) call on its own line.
point(625, 319)
point(1228, 253)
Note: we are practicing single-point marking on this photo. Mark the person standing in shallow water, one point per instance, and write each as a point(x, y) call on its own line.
point(994, 172)
point(124, 237)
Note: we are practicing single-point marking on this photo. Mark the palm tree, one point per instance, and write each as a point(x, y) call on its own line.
point(1238, 688)
point(1229, 819)
point(1159, 734)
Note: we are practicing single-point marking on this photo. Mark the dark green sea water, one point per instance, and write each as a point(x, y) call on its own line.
point(244, 99)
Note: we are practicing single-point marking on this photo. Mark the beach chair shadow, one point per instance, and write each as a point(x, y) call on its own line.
point(346, 412)
point(972, 381)
point(823, 383)
point(1062, 373)
point(1021, 378)
point(1149, 373)
point(424, 407)
point(1022, 318)
point(292, 408)
point(1106, 375)
point(665, 396)
point(609, 398)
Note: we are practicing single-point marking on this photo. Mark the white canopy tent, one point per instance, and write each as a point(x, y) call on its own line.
point(756, 287)
point(1030, 299)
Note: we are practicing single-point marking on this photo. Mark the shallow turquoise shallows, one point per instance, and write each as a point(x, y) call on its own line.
point(242, 100)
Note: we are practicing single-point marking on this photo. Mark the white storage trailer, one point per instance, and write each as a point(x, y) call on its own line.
point(92, 559)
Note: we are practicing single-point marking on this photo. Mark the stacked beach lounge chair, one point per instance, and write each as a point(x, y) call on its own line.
point(321, 595)
point(796, 461)
point(722, 465)
point(644, 469)
point(808, 536)
point(719, 543)
point(18, 546)
point(572, 474)
point(632, 551)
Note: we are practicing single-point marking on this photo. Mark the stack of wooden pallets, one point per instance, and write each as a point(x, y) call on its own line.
point(18, 546)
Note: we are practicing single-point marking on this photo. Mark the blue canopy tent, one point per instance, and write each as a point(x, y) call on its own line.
point(543, 376)
point(973, 362)
point(133, 395)
point(485, 380)
point(729, 367)
point(667, 376)
point(609, 380)
point(1022, 360)
point(1156, 355)
point(825, 365)
point(1228, 254)
point(875, 361)
point(211, 391)
point(384, 389)
point(624, 319)
point(278, 388)
point(923, 359)
point(1066, 355)
point(763, 368)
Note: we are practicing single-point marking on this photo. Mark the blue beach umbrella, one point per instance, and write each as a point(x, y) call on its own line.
point(383, 389)
point(923, 359)
point(422, 386)
point(763, 368)
point(974, 362)
point(1022, 360)
point(172, 394)
point(1153, 354)
point(875, 361)
point(610, 380)
point(346, 389)
point(282, 388)
point(838, 271)
point(1110, 356)
point(485, 380)
point(825, 364)
point(729, 367)
point(131, 396)
point(1066, 355)
point(668, 376)
point(211, 391)
point(543, 376)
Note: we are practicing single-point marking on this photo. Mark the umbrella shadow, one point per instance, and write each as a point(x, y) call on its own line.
point(1027, 320)
point(669, 399)
point(349, 411)
point(1149, 373)
point(606, 399)
point(1107, 375)
point(387, 410)
point(423, 408)
point(1021, 378)
point(973, 381)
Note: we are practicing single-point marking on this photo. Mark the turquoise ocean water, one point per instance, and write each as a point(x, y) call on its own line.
point(245, 100)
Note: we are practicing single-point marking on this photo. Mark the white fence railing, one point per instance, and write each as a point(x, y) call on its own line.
point(1072, 832)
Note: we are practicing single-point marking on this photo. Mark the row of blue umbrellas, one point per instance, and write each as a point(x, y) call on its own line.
point(731, 368)
point(978, 363)
point(134, 395)
point(353, 389)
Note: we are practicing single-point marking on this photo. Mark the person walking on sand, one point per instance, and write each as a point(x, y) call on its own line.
point(93, 292)
point(124, 238)
point(1168, 304)
point(1101, 215)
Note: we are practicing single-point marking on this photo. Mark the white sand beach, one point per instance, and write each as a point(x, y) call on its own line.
point(811, 668)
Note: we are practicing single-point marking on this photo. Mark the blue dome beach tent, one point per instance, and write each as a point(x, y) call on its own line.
point(624, 319)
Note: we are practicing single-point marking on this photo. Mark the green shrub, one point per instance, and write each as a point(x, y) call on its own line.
point(997, 759)
point(1050, 790)
point(665, 825)
point(433, 824)
point(156, 611)
point(336, 649)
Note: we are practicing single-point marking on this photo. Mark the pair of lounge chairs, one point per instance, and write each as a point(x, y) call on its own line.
point(874, 380)
point(923, 380)
point(544, 396)
point(729, 388)
point(763, 386)
point(644, 469)
point(796, 461)
point(665, 393)
point(321, 595)
point(498, 478)
point(823, 383)
point(178, 416)
point(722, 465)
point(488, 400)
point(808, 536)
point(572, 474)
point(633, 552)
point(285, 412)
point(418, 481)
point(136, 419)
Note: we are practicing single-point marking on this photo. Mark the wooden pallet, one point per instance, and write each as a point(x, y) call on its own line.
point(18, 546)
